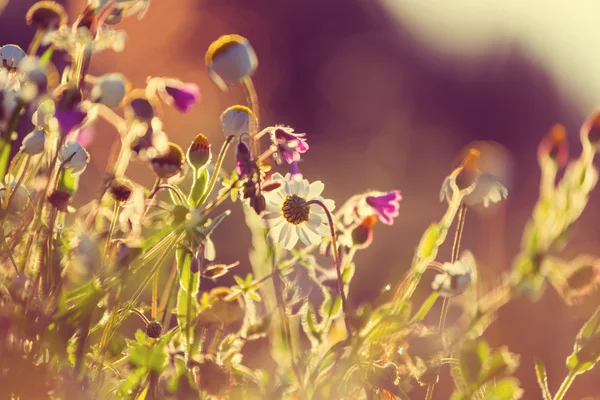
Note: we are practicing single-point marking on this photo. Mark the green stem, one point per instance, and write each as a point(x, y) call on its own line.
point(7, 138)
point(36, 41)
point(218, 165)
point(565, 385)
point(252, 100)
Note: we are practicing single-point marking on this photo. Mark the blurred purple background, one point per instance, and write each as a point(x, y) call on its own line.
point(382, 110)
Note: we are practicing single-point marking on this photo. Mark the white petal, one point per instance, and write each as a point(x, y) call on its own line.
point(307, 236)
point(277, 177)
point(316, 188)
point(330, 204)
point(270, 219)
point(275, 230)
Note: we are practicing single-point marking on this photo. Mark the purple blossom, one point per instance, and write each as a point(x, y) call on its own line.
point(295, 170)
point(244, 165)
point(386, 206)
point(69, 119)
point(288, 145)
point(184, 96)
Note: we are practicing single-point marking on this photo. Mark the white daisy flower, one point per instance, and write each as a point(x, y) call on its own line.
point(455, 279)
point(289, 217)
point(78, 158)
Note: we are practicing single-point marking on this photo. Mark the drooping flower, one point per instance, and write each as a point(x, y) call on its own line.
point(386, 206)
point(47, 15)
point(235, 120)
point(34, 81)
point(230, 59)
point(244, 164)
point(11, 55)
point(109, 89)
point(137, 105)
point(455, 279)
point(287, 144)
point(362, 235)
point(198, 154)
point(18, 198)
point(170, 164)
point(34, 143)
point(74, 157)
point(289, 217)
point(149, 140)
point(181, 95)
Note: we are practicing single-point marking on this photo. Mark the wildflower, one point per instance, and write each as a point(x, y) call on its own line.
point(109, 89)
point(61, 200)
point(555, 146)
point(67, 112)
point(47, 15)
point(236, 120)
point(121, 189)
point(74, 157)
point(230, 59)
point(455, 279)
point(295, 172)
point(170, 164)
point(138, 106)
point(484, 188)
point(287, 145)
point(386, 206)
point(198, 154)
point(34, 143)
point(178, 94)
point(19, 196)
point(362, 235)
point(289, 217)
point(11, 56)
point(244, 164)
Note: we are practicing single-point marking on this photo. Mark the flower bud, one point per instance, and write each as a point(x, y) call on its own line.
point(362, 235)
point(109, 89)
point(74, 157)
point(236, 120)
point(120, 189)
point(47, 15)
point(61, 200)
point(469, 172)
point(590, 129)
point(138, 106)
point(11, 56)
point(555, 146)
point(230, 59)
point(154, 329)
point(34, 143)
point(170, 164)
point(198, 154)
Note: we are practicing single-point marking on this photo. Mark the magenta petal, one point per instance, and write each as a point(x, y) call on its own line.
point(295, 170)
point(185, 96)
point(386, 206)
point(69, 120)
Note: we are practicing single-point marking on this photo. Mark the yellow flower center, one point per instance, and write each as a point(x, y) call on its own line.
point(295, 211)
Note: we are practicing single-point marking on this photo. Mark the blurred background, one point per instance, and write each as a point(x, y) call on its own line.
point(389, 91)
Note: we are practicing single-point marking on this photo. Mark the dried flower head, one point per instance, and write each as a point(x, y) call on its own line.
point(230, 59)
point(198, 154)
point(47, 15)
point(154, 329)
point(170, 164)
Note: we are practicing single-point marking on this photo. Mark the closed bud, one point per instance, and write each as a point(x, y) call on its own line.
point(154, 329)
point(218, 270)
point(198, 154)
point(258, 203)
point(47, 15)
point(236, 120)
point(230, 59)
point(34, 143)
point(362, 235)
point(110, 90)
point(555, 146)
point(170, 164)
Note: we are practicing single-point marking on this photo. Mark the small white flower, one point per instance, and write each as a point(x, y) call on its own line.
point(236, 120)
point(78, 158)
point(11, 55)
point(33, 75)
point(43, 115)
point(18, 199)
point(230, 59)
point(455, 279)
point(488, 190)
point(289, 218)
point(34, 143)
point(109, 89)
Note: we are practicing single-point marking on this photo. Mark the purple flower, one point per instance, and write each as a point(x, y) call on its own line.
point(244, 165)
point(183, 96)
point(386, 206)
point(287, 144)
point(69, 119)
point(295, 170)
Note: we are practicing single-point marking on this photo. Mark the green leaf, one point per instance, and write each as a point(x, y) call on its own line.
point(428, 243)
point(506, 389)
point(501, 363)
point(310, 325)
point(47, 56)
point(586, 351)
point(425, 307)
point(199, 186)
point(5, 147)
point(331, 307)
point(472, 355)
point(348, 273)
point(188, 281)
point(542, 379)
point(67, 181)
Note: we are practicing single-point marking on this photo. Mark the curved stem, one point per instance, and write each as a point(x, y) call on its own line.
point(170, 187)
point(252, 100)
point(338, 266)
point(36, 41)
point(218, 165)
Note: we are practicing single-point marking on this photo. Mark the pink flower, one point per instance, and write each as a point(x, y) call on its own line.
point(386, 206)
point(287, 144)
point(183, 96)
point(244, 165)
point(69, 119)
point(295, 170)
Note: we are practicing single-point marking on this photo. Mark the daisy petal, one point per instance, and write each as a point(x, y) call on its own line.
point(316, 188)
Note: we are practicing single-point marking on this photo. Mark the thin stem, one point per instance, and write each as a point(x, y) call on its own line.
point(111, 230)
point(565, 385)
point(446, 303)
point(168, 187)
point(338, 266)
point(252, 100)
point(213, 179)
point(165, 300)
point(10, 256)
point(36, 41)
point(154, 295)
